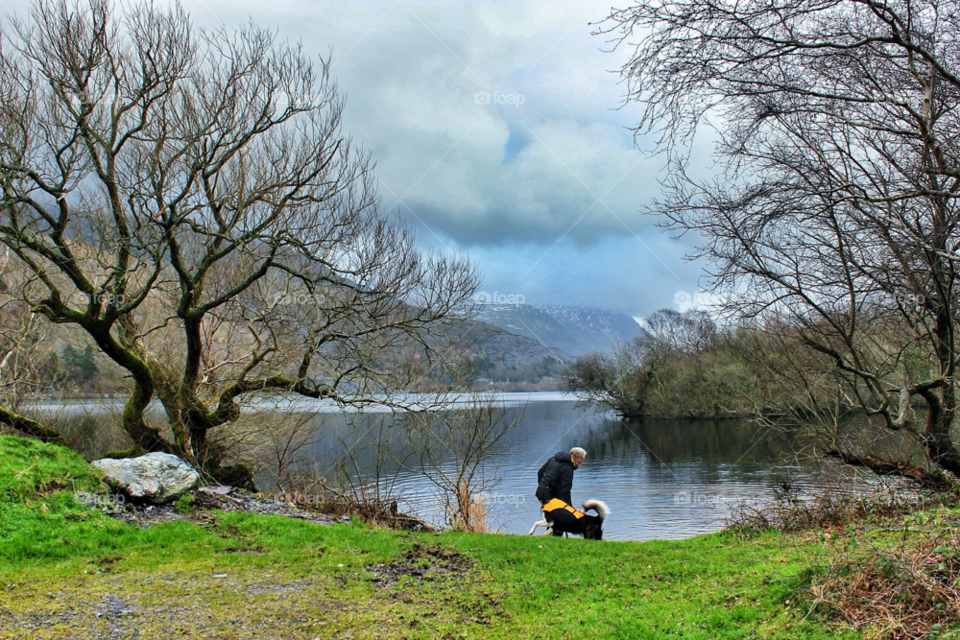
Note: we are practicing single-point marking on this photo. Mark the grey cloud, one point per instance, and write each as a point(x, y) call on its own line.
point(482, 173)
point(504, 182)
point(516, 187)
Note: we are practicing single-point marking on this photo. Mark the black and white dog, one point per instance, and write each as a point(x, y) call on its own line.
point(560, 518)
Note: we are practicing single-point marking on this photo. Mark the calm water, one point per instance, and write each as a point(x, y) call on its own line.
point(661, 478)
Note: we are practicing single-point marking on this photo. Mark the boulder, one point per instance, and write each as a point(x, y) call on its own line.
point(155, 477)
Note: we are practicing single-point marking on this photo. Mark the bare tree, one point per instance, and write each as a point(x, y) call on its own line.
point(369, 486)
point(617, 382)
point(21, 363)
point(622, 381)
point(835, 207)
point(188, 199)
point(672, 333)
point(453, 450)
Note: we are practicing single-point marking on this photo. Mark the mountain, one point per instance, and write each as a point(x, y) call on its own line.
point(567, 331)
point(499, 345)
point(517, 351)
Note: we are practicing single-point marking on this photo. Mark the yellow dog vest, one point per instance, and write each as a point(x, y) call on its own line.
point(556, 503)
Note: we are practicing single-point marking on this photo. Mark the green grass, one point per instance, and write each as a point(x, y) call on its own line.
point(29, 469)
point(244, 576)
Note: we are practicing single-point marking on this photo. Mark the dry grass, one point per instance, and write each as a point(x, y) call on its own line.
point(832, 508)
point(909, 592)
point(350, 497)
point(470, 512)
point(896, 572)
point(384, 515)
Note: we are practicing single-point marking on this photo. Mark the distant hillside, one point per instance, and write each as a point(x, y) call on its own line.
point(499, 345)
point(511, 350)
point(473, 332)
point(507, 362)
point(567, 331)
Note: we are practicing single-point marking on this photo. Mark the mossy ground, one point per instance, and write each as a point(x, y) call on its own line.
point(68, 571)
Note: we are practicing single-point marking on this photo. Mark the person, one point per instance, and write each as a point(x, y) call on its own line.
point(555, 477)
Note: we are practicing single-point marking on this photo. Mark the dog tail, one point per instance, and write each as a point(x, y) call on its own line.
point(599, 506)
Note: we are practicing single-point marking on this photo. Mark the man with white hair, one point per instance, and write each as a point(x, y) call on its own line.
point(555, 477)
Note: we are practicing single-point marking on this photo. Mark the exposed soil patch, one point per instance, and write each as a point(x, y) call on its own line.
point(252, 551)
point(422, 563)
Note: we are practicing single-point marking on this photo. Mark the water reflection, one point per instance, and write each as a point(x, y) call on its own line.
point(661, 478)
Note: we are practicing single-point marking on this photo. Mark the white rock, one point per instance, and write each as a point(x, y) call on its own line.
point(155, 477)
point(221, 490)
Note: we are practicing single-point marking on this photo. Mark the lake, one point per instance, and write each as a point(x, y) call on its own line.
point(663, 479)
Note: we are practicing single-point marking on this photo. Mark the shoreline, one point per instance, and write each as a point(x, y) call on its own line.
point(72, 571)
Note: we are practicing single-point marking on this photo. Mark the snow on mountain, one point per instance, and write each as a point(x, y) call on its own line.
point(566, 330)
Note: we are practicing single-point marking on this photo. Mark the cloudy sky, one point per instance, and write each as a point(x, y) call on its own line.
point(496, 127)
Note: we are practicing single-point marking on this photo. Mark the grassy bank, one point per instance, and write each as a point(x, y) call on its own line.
point(68, 571)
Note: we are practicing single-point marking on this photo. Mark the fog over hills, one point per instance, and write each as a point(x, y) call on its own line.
point(568, 331)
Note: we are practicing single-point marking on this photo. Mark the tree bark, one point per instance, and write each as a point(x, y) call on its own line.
point(30, 427)
point(934, 480)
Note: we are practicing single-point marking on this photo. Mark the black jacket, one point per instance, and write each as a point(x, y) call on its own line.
point(555, 478)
